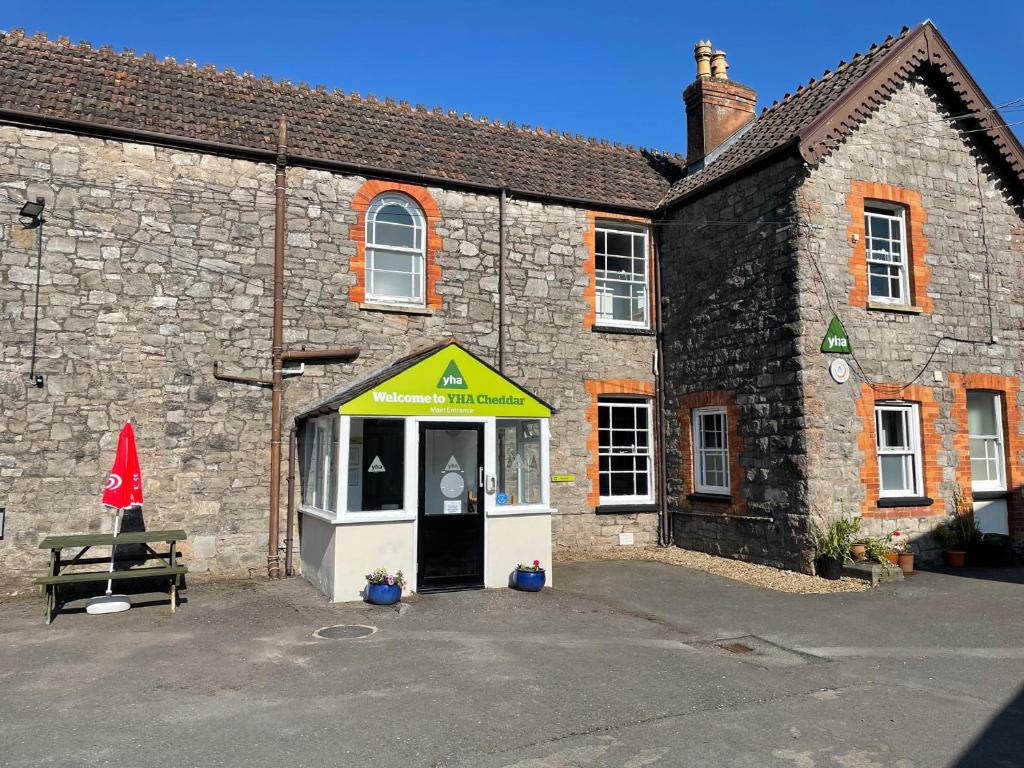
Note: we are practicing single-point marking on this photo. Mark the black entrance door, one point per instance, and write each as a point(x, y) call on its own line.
point(450, 548)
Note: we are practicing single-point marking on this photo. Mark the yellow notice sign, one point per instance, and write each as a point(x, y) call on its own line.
point(450, 382)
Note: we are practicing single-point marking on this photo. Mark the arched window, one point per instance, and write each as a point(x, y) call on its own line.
point(395, 250)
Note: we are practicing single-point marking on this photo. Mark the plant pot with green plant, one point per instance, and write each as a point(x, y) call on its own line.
point(899, 546)
point(859, 551)
point(832, 543)
point(959, 533)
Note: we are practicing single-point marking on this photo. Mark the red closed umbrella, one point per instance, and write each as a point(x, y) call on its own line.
point(124, 486)
point(123, 490)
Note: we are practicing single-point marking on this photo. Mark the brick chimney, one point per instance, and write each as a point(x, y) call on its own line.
point(716, 107)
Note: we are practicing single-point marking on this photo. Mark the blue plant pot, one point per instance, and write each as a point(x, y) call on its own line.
point(530, 581)
point(383, 594)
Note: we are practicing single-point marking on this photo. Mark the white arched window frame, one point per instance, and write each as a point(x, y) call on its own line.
point(395, 250)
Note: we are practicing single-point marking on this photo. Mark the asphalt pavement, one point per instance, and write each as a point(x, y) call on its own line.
point(624, 664)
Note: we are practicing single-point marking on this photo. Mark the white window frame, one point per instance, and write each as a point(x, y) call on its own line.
point(323, 450)
point(419, 231)
point(994, 442)
point(636, 403)
point(890, 212)
point(911, 452)
point(700, 451)
point(603, 296)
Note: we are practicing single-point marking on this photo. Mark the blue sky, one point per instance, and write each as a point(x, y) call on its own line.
point(612, 70)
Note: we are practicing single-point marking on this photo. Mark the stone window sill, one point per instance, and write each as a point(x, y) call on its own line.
point(623, 330)
point(715, 498)
point(399, 309)
point(903, 309)
point(904, 501)
point(624, 509)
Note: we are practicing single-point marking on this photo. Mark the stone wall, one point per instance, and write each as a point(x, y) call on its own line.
point(159, 262)
point(731, 324)
point(974, 253)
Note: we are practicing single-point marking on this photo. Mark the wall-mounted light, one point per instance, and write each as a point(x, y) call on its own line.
point(31, 213)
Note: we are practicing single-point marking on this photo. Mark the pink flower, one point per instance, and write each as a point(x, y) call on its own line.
point(391, 581)
point(536, 563)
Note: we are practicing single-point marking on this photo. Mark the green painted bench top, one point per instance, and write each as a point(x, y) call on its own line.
point(134, 573)
point(106, 539)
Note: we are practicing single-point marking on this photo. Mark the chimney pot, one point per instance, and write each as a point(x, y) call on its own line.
point(719, 65)
point(702, 55)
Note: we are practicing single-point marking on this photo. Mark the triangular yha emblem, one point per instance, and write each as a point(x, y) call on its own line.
point(376, 465)
point(452, 378)
point(836, 340)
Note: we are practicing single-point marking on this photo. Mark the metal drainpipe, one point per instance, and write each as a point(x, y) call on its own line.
point(664, 530)
point(501, 281)
point(290, 519)
point(277, 351)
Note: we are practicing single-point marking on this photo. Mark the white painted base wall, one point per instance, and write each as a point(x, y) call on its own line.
point(336, 557)
point(514, 539)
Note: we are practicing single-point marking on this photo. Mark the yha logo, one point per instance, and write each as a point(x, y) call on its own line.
point(452, 378)
point(836, 341)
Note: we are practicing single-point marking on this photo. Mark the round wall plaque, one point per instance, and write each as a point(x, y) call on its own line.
point(839, 370)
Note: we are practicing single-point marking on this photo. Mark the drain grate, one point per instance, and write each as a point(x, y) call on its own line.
point(751, 649)
point(344, 632)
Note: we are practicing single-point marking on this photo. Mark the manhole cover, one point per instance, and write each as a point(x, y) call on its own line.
point(344, 632)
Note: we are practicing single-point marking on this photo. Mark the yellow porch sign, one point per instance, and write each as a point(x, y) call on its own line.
point(449, 382)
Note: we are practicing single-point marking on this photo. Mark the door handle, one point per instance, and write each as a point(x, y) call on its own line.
point(480, 482)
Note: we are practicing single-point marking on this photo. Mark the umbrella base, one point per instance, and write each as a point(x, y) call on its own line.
point(107, 604)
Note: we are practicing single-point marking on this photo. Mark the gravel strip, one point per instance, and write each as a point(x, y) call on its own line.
point(749, 573)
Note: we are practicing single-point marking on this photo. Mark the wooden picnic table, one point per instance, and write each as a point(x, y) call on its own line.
point(60, 573)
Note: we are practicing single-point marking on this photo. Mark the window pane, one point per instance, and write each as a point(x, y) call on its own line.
point(519, 461)
point(376, 464)
point(330, 475)
point(623, 417)
point(391, 261)
point(981, 413)
point(892, 431)
point(894, 473)
point(397, 285)
point(619, 244)
point(621, 484)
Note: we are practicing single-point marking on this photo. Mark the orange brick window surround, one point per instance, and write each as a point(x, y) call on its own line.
point(866, 192)
point(1009, 388)
point(357, 233)
point(722, 398)
point(595, 388)
point(590, 265)
point(931, 444)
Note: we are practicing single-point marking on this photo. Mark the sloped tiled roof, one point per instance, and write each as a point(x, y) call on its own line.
point(107, 88)
point(45, 81)
point(825, 111)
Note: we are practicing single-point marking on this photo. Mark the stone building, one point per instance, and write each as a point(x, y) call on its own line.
point(668, 311)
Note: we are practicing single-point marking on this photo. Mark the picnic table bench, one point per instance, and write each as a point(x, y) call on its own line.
point(59, 572)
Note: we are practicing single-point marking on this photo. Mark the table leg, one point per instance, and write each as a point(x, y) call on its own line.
point(174, 593)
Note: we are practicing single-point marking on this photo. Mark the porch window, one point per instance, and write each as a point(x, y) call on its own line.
point(984, 423)
point(898, 442)
point(319, 464)
point(621, 270)
point(624, 450)
point(395, 252)
point(886, 250)
point(376, 464)
point(711, 450)
point(519, 461)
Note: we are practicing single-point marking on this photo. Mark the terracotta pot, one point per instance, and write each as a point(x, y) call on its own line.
point(954, 557)
point(906, 561)
point(893, 557)
point(858, 552)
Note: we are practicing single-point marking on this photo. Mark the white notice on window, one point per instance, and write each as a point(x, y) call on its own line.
point(376, 465)
point(453, 507)
point(452, 465)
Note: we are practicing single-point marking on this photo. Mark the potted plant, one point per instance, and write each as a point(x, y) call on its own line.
point(530, 578)
point(858, 551)
point(832, 543)
point(383, 588)
point(959, 533)
point(877, 550)
point(899, 545)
